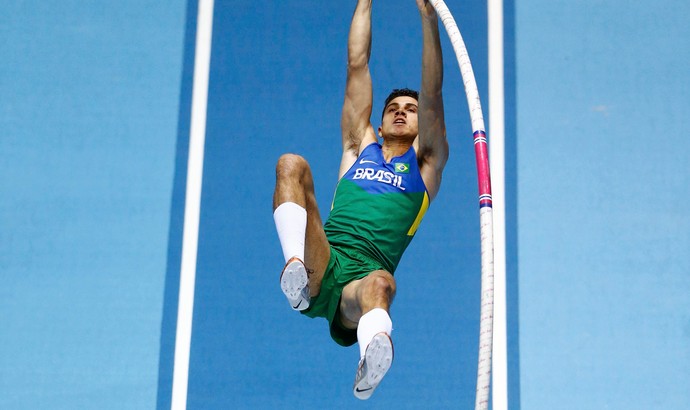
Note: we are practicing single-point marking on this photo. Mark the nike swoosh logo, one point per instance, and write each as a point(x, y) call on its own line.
point(366, 161)
point(298, 305)
point(358, 390)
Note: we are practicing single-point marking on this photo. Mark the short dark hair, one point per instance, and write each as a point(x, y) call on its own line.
point(399, 92)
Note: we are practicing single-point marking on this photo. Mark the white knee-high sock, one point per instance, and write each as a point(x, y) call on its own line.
point(371, 323)
point(291, 224)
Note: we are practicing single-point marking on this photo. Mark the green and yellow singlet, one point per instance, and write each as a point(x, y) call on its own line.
point(378, 206)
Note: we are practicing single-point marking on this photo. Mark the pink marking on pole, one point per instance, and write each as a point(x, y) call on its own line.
point(484, 177)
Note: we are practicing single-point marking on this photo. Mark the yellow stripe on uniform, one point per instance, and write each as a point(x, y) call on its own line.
point(420, 215)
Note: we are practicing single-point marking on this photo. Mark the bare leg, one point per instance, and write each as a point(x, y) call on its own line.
point(376, 290)
point(364, 306)
point(294, 183)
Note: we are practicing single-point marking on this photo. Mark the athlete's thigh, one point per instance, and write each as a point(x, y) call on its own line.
point(361, 294)
point(317, 251)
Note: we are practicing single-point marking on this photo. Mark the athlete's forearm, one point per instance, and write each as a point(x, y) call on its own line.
point(432, 58)
point(358, 89)
point(432, 128)
point(359, 40)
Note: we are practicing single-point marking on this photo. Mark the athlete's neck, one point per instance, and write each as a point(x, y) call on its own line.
point(393, 148)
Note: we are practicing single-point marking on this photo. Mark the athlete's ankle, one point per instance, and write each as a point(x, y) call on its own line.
point(370, 324)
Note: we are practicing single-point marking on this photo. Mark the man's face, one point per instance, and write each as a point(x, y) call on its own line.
point(400, 118)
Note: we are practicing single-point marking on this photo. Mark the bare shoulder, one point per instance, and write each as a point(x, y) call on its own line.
point(432, 162)
point(351, 151)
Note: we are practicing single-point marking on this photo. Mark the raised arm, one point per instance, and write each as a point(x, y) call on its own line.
point(355, 121)
point(433, 145)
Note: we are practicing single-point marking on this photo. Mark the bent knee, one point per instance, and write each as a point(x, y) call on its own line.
point(291, 162)
point(383, 282)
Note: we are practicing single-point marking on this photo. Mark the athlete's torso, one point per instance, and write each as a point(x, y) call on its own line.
point(378, 206)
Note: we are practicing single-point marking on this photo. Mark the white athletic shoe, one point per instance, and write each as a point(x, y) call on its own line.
point(294, 281)
point(373, 366)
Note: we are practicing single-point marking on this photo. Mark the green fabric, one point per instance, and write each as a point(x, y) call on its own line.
point(377, 209)
point(344, 266)
point(376, 225)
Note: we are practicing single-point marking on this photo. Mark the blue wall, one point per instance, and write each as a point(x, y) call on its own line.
point(603, 187)
point(94, 116)
point(88, 113)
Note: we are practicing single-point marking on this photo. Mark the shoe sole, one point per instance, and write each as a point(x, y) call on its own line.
point(378, 359)
point(293, 283)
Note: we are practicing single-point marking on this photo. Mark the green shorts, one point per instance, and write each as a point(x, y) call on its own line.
point(344, 266)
